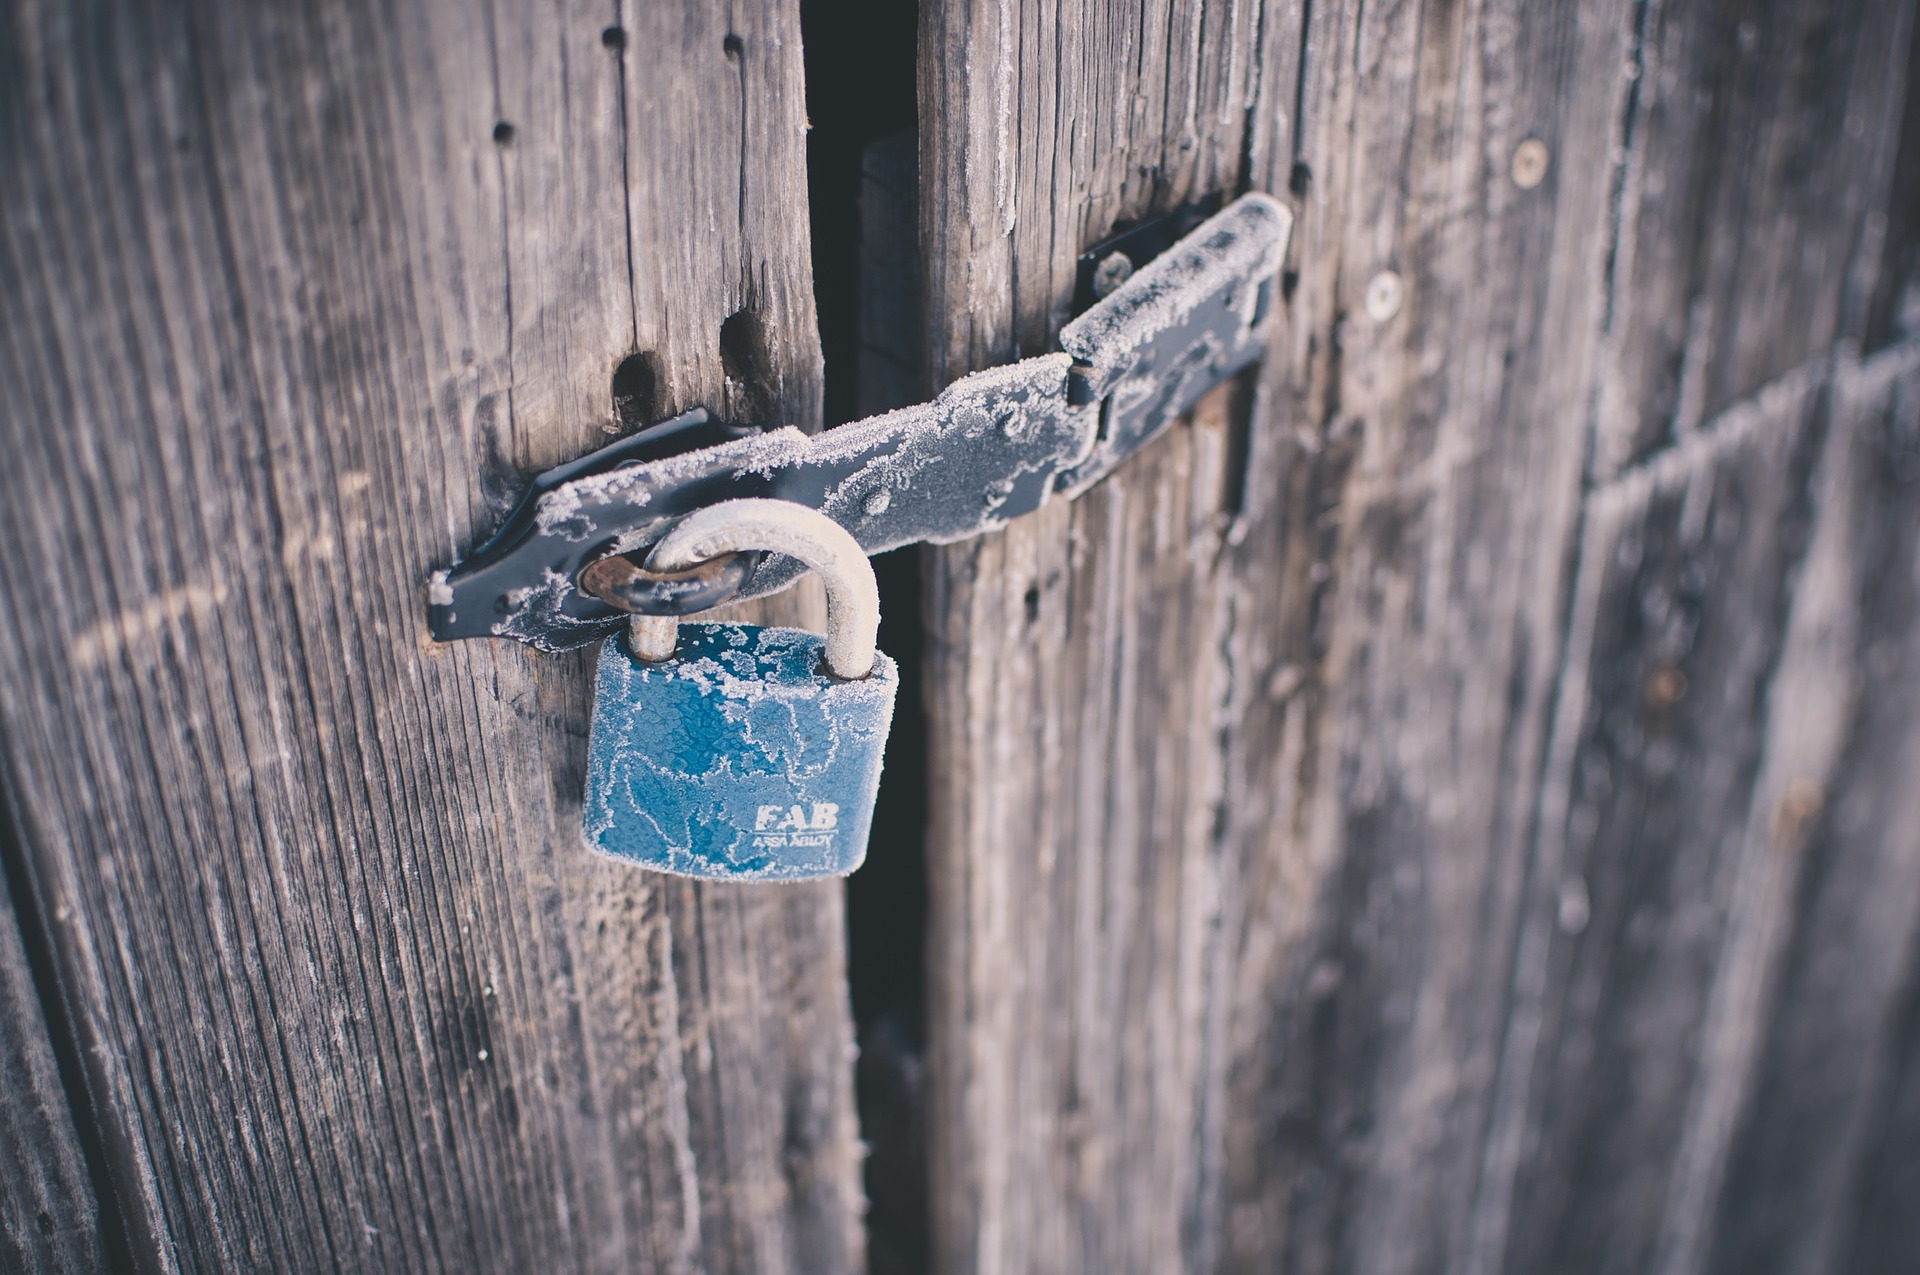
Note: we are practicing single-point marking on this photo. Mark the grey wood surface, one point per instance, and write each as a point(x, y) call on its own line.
point(1445, 807)
point(1448, 805)
point(49, 1217)
point(291, 299)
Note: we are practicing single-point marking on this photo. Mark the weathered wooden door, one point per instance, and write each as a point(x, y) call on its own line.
point(1451, 807)
point(294, 296)
point(1448, 805)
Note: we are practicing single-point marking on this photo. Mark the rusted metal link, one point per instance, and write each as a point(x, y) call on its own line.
point(808, 536)
point(624, 584)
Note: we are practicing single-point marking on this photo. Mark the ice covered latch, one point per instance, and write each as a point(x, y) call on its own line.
point(990, 447)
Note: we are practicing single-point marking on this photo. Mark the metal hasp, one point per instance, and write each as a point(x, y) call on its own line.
point(992, 446)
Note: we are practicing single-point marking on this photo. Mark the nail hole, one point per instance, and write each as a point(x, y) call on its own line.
point(1032, 601)
point(734, 46)
point(1299, 179)
point(614, 38)
point(502, 133)
point(636, 382)
point(748, 367)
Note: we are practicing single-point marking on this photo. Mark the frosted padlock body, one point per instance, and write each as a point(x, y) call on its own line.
point(738, 759)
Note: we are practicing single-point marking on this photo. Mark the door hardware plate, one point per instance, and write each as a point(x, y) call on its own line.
point(990, 447)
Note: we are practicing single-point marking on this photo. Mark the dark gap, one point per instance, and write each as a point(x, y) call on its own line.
point(1893, 313)
point(1233, 496)
point(503, 132)
point(739, 355)
point(636, 385)
point(1244, 180)
point(117, 1227)
point(861, 106)
point(748, 364)
point(736, 50)
point(1300, 94)
point(860, 88)
point(615, 38)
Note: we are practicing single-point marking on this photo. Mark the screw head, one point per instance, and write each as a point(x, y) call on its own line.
point(1384, 294)
point(1530, 160)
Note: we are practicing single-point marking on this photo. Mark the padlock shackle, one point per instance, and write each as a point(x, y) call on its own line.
point(800, 532)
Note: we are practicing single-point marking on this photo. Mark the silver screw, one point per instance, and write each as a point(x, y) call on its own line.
point(1384, 294)
point(1529, 167)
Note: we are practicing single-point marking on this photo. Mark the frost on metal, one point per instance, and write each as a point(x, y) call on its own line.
point(538, 616)
point(1002, 433)
point(991, 447)
point(1180, 325)
point(979, 455)
point(736, 760)
point(1222, 263)
point(576, 510)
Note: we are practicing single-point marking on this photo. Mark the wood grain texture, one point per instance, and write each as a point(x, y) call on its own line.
point(1758, 143)
point(1376, 846)
point(49, 1218)
point(1706, 731)
point(1070, 954)
point(1802, 1174)
point(1894, 309)
point(292, 298)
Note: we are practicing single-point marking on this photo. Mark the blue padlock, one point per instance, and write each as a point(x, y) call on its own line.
point(733, 752)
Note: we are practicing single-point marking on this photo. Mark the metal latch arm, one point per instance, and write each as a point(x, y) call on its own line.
point(992, 446)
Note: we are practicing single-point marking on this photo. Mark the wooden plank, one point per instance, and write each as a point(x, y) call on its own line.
point(1758, 142)
point(1802, 1164)
point(1258, 774)
point(291, 300)
point(1735, 895)
point(1072, 722)
point(1661, 896)
point(1425, 487)
point(1894, 308)
point(1254, 743)
point(49, 1218)
point(1657, 1193)
point(1695, 728)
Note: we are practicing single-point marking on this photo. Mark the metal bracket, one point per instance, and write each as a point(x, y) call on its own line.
point(990, 447)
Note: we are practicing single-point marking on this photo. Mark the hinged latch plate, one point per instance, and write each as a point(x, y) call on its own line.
point(992, 446)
